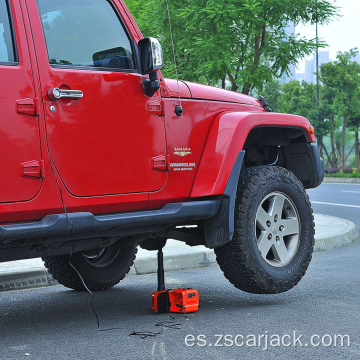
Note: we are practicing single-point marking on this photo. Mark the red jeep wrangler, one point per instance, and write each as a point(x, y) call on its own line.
point(100, 154)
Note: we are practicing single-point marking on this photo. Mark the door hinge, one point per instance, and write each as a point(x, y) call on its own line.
point(161, 163)
point(27, 106)
point(156, 107)
point(33, 169)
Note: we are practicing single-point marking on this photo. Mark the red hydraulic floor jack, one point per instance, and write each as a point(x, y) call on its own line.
point(177, 300)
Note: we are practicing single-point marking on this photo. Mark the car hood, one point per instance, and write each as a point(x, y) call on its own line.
point(190, 90)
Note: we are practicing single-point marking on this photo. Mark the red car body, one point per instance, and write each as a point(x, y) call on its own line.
point(116, 149)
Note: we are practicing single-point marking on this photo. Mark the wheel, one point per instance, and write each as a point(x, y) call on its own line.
point(274, 232)
point(100, 269)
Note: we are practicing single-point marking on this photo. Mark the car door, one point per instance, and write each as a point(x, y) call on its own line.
point(102, 138)
point(20, 159)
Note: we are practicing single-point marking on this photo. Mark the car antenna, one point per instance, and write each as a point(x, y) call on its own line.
point(178, 109)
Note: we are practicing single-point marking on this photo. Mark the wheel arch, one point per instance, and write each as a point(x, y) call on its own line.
point(289, 135)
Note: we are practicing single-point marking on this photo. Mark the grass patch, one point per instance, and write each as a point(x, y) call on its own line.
point(354, 174)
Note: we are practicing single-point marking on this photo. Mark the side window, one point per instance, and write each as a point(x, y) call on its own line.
point(85, 33)
point(7, 52)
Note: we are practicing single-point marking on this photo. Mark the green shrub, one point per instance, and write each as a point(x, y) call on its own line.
point(354, 174)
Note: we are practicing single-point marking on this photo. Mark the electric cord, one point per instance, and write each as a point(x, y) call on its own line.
point(92, 302)
point(173, 48)
point(61, 194)
point(70, 263)
point(169, 323)
point(88, 290)
point(145, 334)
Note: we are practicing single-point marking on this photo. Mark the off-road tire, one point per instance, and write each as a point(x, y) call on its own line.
point(240, 259)
point(95, 277)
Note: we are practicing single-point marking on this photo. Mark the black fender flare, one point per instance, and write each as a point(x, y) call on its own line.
point(302, 159)
point(220, 228)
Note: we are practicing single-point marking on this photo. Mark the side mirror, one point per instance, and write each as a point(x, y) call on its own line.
point(151, 55)
point(151, 60)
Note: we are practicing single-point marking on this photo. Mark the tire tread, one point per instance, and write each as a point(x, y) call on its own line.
point(61, 270)
point(236, 258)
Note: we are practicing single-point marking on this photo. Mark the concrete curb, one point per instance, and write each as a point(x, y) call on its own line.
point(331, 233)
point(346, 234)
point(339, 180)
point(26, 280)
point(173, 260)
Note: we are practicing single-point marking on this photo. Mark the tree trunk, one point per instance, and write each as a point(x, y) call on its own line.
point(223, 82)
point(258, 45)
point(357, 151)
point(348, 154)
point(333, 157)
point(246, 89)
point(321, 146)
point(329, 159)
point(234, 87)
point(343, 143)
point(338, 153)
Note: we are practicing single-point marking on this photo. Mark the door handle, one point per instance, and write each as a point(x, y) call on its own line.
point(56, 93)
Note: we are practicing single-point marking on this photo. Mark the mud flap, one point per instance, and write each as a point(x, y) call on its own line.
point(220, 228)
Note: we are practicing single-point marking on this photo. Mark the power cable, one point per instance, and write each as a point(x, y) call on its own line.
point(70, 263)
point(173, 49)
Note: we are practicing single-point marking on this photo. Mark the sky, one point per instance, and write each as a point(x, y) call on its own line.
point(341, 34)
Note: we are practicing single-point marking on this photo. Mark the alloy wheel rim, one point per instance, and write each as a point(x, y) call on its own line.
point(277, 229)
point(101, 257)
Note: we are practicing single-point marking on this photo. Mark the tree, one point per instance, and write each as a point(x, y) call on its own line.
point(300, 99)
point(328, 111)
point(354, 122)
point(342, 77)
point(272, 93)
point(241, 41)
point(290, 98)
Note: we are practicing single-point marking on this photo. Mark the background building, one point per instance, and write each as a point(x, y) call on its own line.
point(290, 30)
point(300, 77)
point(310, 66)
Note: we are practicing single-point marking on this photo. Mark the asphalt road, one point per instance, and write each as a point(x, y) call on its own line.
point(340, 200)
point(56, 323)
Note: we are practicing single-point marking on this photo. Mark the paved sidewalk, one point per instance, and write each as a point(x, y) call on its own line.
point(337, 180)
point(331, 232)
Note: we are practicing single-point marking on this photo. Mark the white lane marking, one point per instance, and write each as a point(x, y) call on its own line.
point(161, 352)
point(153, 350)
point(345, 184)
point(326, 203)
point(356, 192)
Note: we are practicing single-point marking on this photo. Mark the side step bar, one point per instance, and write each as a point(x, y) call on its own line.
point(62, 225)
